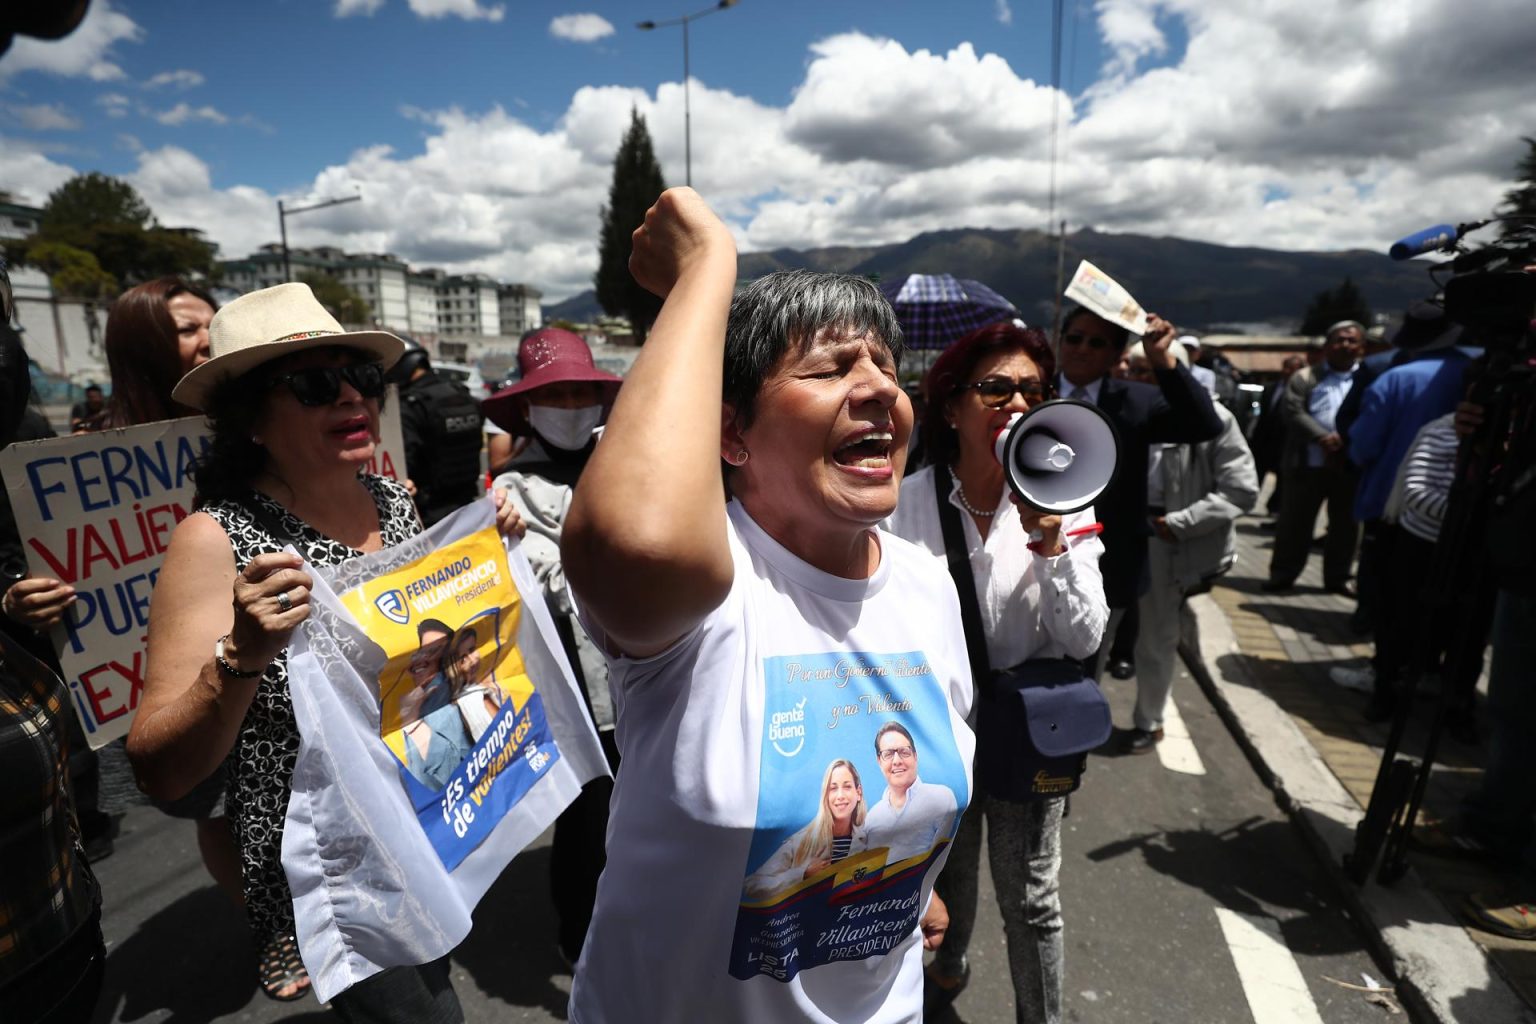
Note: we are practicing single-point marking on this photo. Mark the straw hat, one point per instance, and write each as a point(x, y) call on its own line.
point(549, 356)
point(264, 325)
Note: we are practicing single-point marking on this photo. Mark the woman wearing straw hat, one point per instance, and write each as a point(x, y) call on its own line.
point(557, 404)
point(293, 404)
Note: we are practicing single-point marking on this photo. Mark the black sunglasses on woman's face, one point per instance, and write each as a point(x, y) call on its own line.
point(321, 385)
point(997, 392)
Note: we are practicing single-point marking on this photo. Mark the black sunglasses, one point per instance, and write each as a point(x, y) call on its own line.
point(1078, 338)
point(997, 392)
point(321, 385)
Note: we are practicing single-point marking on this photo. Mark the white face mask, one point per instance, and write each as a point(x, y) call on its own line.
point(570, 429)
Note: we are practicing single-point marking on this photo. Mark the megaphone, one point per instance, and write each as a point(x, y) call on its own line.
point(1059, 456)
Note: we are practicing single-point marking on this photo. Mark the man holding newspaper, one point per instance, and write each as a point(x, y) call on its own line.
point(1176, 410)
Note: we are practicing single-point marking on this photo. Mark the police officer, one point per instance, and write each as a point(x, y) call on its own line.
point(441, 423)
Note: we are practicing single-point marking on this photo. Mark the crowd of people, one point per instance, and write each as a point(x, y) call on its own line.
point(740, 508)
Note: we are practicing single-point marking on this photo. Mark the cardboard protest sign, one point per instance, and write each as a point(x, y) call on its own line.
point(96, 511)
point(441, 731)
point(1101, 295)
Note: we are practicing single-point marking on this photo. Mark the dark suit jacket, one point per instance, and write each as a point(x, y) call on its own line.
point(1269, 430)
point(1176, 411)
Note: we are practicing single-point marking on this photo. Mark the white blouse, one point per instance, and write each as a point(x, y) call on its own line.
point(1031, 606)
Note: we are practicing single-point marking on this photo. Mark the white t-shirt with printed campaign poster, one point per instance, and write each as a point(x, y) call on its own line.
point(728, 740)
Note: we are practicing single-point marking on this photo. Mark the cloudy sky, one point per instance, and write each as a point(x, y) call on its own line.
point(480, 133)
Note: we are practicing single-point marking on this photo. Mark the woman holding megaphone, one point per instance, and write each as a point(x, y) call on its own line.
point(1033, 598)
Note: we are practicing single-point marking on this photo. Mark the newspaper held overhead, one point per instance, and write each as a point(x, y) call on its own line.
point(1101, 295)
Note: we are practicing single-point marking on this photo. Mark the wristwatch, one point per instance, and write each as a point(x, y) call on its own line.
point(227, 668)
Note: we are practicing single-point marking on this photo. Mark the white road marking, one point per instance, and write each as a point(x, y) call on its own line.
point(1177, 751)
point(1276, 991)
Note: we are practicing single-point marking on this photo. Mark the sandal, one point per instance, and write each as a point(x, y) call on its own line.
point(281, 966)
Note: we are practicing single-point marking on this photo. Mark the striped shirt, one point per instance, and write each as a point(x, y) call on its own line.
point(1428, 472)
point(841, 845)
point(47, 891)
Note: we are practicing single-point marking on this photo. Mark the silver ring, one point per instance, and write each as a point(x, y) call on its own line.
point(284, 602)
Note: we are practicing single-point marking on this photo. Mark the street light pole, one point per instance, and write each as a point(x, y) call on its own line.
point(647, 26)
point(284, 212)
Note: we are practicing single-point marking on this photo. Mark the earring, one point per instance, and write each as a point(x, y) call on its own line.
point(739, 459)
point(256, 440)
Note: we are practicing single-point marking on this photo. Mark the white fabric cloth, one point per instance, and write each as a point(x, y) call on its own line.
point(725, 739)
point(371, 888)
point(1031, 607)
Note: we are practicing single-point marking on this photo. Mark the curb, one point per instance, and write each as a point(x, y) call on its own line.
point(1442, 975)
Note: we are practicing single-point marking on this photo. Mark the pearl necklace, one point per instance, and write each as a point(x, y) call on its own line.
point(972, 509)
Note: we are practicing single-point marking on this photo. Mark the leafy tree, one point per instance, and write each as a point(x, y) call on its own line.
point(1331, 305)
point(106, 217)
point(342, 302)
point(1520, 201)
point(87, 202)
point(73, 273)
point(637, 182)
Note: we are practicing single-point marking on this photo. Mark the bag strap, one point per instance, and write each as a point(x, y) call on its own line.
point(960, 568)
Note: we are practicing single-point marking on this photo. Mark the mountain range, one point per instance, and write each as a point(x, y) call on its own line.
point(1195, 284)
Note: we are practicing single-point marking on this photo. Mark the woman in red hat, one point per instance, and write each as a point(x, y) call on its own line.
point(557, 405)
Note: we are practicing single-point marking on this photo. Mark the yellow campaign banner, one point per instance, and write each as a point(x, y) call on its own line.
point(456, 705)
point(441, 731)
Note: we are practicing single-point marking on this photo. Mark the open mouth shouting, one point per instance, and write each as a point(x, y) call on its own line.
point(867, 449)
point(354, 431)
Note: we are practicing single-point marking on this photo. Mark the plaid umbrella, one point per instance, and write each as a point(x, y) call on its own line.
point(935, 309)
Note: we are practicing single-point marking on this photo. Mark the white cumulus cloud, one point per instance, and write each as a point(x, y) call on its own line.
point(581, 28)
point(114, 104)
point(180, 79)
point(347, 8)
point(184, 113)
point(1343, 125)
point(469, 10)
point(84, 53)
point(44, 117)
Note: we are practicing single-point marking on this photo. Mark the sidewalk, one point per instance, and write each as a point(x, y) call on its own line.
point(1264, 660)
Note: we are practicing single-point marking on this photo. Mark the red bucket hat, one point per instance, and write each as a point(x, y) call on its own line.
point(548, 356)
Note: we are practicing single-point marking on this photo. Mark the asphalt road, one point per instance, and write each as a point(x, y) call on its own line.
point(1188, 898)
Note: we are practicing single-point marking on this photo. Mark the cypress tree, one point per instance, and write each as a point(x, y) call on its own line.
point(637, 182)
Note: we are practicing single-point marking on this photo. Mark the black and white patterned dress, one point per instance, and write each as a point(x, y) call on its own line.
point(261, 765)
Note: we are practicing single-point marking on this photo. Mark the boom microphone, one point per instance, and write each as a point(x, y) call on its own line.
point(1421, 242)
point(1059, 456)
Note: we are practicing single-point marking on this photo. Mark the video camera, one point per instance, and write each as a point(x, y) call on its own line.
point(1485, 541)
point(1488, 291)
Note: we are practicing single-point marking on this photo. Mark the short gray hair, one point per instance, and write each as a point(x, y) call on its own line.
point(1344, 325)
point(790, 308)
